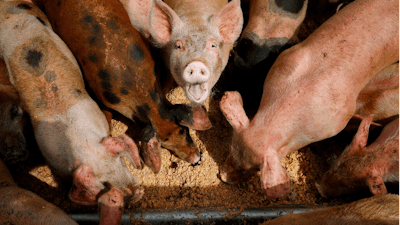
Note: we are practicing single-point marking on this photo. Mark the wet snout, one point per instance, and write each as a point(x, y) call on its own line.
point(196, 75)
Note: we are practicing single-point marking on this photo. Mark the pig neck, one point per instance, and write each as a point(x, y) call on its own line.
point(195, 8)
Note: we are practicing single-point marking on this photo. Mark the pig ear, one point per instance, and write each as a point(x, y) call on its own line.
point(198, 120)
point(139, 14)
point(275, 179)
point(229, 21)
point(231, 105)
point(162, 20)
point(376, 185)
point(360, 139)
point(125, 145)
point(85, 186)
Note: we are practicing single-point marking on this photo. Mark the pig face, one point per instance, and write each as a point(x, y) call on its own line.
point(195, 45)
point(12, 123)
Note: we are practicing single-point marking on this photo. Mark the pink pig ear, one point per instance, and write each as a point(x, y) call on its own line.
point(275, 179)
point(85, 186)
point(139, 14)
point(360, 139)
point(162, 20)
point(232, 107)
point(229, 21)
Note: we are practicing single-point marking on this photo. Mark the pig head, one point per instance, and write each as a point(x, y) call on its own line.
point(194, 37)
point(272, 28)
point(361, 166)
point(310, 93)
point(70, 129)
point(13, 119)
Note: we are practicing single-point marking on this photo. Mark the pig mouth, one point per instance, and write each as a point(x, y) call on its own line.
point(197, 92)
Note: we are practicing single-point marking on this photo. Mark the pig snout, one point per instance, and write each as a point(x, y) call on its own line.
point(196, 74)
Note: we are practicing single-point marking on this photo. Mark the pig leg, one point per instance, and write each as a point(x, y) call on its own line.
point(111, 206)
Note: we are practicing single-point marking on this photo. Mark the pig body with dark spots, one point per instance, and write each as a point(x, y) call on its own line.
point(120, 70)
point(195, 38)
point(272, 27)
point(361, 166)
point(13, 119)
point(20, 206)
point(376, 210)
point(310, 93)
point(71, 131)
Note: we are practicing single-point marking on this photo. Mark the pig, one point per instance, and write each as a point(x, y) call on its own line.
point(20, 206)
point(13, 120)
point(272, 27)
point(71, 131)
point(120, 70)
point(194, 37)
point(362, 166)
point(310, 92)
point(375, 210)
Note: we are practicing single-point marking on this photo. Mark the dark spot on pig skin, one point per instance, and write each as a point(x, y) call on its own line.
point(106, 85)
point(104, 75)
point(40, 20)
point(143, 111)
point(293, 6)
point(54, 89)
point(325, 54)
point(4, 184)
point(124, 91)
point(24, 6)
point(189, 139)
point(18, 9)
point(40, 103)
point(93, 40)
point(251, 52)
point(10, 212)
point(111, 97)
point(78, 91)
point(88, 19)
point(16, 27)
point(93, 58)
point(50, 76)
point(59, 3)
point(136, 52)
point(33, 58)
point(154, 96)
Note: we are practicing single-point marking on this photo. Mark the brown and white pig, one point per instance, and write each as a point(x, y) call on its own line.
point(70, 129)
point(272, 27)
point(310, 92)
point(195, 38)
point(375, 210)
point(120, 70)
point(361, 166)
point(20, 206)
point(13, 119)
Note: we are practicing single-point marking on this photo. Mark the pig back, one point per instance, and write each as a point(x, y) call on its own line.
point(115, 61)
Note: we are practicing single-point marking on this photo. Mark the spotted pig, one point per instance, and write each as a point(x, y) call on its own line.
point(71, 131)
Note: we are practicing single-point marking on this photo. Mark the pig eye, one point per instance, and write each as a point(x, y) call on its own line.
point(214, 44)
point(179, 44)
point(15, 111)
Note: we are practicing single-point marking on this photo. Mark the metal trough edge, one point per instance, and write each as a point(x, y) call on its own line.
point(212, 216)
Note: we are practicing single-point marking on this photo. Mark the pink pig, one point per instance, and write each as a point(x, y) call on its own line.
point(310, 92)
point(195, 38)
point(364, 166)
